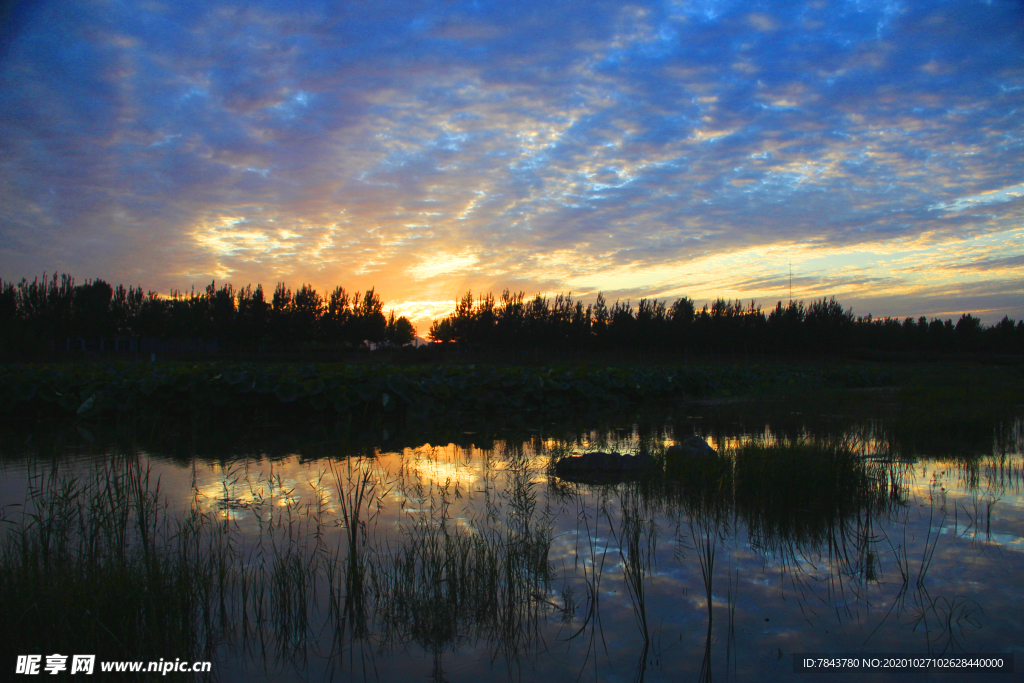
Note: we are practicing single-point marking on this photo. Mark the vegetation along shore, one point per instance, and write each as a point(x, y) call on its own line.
point(48, 318)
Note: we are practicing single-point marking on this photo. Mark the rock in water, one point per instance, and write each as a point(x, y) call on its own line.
point(693, 447)
point(598, 465)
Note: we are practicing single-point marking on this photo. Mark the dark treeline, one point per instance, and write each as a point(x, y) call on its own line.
point(43, 314)
point(726, 327)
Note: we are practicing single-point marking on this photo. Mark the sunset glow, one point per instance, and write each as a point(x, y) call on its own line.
point(679, 148)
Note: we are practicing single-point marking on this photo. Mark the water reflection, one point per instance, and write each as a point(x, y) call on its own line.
point(453, 560)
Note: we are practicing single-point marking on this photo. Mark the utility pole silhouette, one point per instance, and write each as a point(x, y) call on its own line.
point(790, 282)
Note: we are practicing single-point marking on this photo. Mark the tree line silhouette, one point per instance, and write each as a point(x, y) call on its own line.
point(730, 327)
point(40, 315)
point(50, 311)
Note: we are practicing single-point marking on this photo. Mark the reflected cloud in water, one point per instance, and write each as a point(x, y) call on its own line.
point(447, 560)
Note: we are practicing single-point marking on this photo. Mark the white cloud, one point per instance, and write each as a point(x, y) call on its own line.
point(1007, 194)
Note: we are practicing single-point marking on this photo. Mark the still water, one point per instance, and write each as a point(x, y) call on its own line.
point(460, 560)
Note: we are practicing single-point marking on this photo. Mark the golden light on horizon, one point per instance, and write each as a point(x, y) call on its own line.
point(614, 159)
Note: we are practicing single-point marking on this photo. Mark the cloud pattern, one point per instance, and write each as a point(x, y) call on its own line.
point(653, 148)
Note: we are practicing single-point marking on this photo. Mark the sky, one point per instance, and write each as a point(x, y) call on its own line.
point(705, 148)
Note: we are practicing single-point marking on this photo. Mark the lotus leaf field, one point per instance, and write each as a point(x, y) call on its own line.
point(369, 392)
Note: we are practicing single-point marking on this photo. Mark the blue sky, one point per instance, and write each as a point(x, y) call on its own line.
point(640, 149)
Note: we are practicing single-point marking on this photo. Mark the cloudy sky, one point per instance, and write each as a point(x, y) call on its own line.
point(657, 149)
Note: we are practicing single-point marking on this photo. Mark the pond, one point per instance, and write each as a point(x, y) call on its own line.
point(810, 535)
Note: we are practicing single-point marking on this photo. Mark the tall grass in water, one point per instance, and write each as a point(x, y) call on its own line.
point(818, 503)
point(637, 542)
point(803, 492)
point(93, 564)
point(484, 580)
point(276, 581)
point(809, 502)
point(706, 545)
point(360, 499)
point(945, 621)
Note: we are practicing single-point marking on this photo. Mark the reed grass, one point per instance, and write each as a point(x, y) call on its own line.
point(94, 564)
point(799, 492)
point(486, 579)
point(637, 543)
point(945, 621)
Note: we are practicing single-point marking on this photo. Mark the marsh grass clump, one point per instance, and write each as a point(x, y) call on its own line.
point(706, 475)
point(485, 578)
point(445, 585)
point(789, 492)
point(93, 564)
point(800, 491)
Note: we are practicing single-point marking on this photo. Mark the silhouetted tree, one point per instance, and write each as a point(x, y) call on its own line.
point(442, 330)
point(367, 323)
point(601, 319)
point(536, 322)
point(222, 314)
point(126, 307)
point(308, 309)
point(53, 309)
point(399, 332)
point(968, 333)
point(510, 320)
point(336, 316)
point(827, 325)
point(253, 317)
